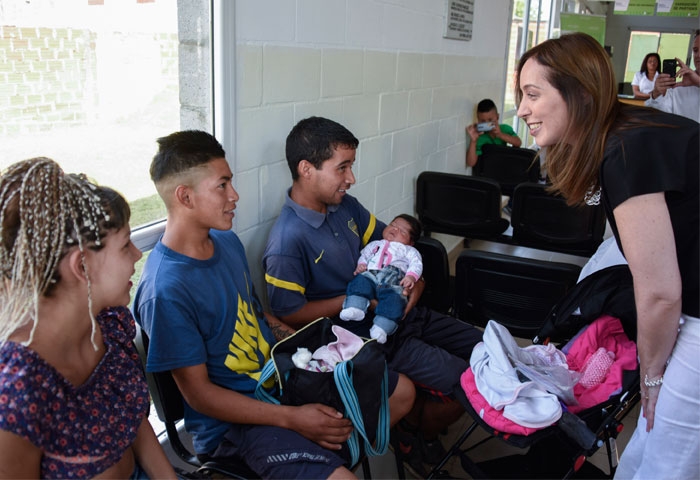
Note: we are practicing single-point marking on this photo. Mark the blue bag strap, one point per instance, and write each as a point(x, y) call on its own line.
point(343, 381)
point(267, 372)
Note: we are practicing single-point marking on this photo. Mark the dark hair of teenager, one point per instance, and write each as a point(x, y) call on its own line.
point(314, 139)
point(586, 81)
point(414, 223)
point(486, 105)
point(181, 151)
point(644, 68)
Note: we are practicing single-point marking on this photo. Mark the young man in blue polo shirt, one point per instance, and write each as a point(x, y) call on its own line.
point(311, 255)
point(197, 303)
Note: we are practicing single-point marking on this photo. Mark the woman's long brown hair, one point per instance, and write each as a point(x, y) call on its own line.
point(580, 69)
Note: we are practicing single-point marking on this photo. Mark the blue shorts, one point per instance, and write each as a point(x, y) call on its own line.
point(274, 452)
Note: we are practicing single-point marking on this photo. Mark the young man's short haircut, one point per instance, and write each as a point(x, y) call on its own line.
point(314, 139)
point(181, 151)
point(414, 223)
point(486, 105)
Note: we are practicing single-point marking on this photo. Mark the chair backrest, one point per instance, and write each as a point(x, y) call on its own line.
point(514, 291)
point(167, 401)
point(509, 166)
point(436, 271)
point(544, 221)
point(460, 205)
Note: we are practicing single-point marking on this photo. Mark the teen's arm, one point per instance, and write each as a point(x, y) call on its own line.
point(472, 157)
point(149, 454)
point(312, 310)
point(319, 423)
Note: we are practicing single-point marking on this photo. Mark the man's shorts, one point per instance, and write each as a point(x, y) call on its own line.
point(274, 452)
point(433, 350)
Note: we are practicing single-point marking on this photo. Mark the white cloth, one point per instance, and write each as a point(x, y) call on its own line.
point(607, 255)
point(672, 448)
point(642, 81)
point(524, 403)
point(684, 101)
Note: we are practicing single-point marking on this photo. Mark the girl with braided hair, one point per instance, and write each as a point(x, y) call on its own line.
point(73, 397)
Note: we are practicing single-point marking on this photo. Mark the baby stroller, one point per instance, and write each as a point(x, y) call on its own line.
point(561, 450)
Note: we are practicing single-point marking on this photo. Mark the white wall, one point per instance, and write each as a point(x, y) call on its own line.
point(381, 68)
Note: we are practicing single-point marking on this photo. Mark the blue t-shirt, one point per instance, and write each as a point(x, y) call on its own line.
point(311, 255)
point(204, 312)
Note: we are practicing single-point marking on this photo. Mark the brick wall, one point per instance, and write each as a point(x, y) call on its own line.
point(49, 76)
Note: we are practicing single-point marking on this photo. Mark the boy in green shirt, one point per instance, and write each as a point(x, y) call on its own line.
point(488, 130)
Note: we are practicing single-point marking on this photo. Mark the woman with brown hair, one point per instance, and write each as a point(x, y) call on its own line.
point(643, 165)
point(73, 396)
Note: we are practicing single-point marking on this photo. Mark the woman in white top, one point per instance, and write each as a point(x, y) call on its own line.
point(643, 82)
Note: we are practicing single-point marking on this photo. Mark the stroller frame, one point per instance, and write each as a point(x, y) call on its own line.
point(606, 291)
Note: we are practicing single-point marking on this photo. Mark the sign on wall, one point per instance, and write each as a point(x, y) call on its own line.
point(635, 7)
point(678, 8)
point(459, 18)
point(663, 8)
point(594, 25)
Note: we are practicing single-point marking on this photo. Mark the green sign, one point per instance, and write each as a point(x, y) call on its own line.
point(635, 7)
point(594, 25)
point(678, 8)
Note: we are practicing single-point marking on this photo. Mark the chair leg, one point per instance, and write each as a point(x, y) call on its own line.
point(398, 456)
point(454, 450)
point(366, 472)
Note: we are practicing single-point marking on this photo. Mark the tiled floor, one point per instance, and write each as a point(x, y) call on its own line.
point(384, 467)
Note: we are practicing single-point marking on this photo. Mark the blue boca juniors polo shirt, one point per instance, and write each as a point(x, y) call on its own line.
point(311, 255)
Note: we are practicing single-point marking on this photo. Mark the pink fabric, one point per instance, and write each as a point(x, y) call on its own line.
point(344, 348)
point(489, 414)
point(604, 332)
point(596, 369)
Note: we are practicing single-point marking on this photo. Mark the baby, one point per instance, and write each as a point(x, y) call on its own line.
point(385, 268)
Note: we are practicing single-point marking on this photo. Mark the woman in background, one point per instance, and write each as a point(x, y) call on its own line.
point(73, 397)
point(643, 165)
point(644, 79)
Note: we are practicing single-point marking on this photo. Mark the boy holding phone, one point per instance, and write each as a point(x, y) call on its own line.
point(487, 130)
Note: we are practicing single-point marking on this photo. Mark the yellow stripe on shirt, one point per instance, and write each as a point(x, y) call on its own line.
point(370, 230)
point(295, 287)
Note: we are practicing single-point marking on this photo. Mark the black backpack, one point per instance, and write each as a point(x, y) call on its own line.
point(607, 291)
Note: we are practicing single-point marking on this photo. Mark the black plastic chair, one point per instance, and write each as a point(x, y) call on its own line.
point(461, 205)
point(544, 221)
point(516, 292)
point(169, 405)
point(509, 166)
point(436, 271)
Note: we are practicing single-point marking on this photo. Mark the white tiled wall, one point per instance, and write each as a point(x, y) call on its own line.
point(381, 68)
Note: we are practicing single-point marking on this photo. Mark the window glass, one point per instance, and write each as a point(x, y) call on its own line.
point(668, 45)
point(527, 29)
point(93, 84)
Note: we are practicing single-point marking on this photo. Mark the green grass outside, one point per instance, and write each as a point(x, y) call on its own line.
point(143, 211)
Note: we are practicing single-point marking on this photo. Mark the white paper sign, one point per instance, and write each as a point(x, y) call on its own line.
point(459, 18)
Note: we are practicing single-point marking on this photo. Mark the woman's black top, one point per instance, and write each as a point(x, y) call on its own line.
point(661, 156)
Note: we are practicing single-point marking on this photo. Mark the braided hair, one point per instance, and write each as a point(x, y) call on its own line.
point(44, 213)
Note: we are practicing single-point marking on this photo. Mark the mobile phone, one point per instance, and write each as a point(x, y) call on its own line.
point(484, 127)
point(669, 66)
